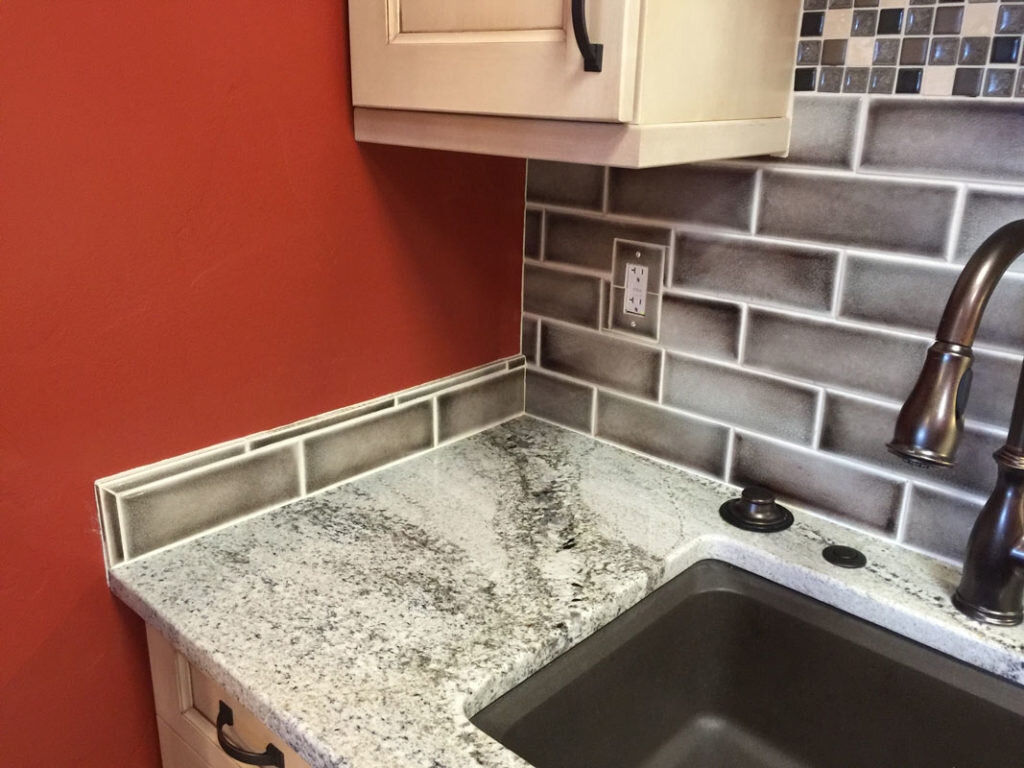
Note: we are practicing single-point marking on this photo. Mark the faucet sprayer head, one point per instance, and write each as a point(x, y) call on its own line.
point(929, 425)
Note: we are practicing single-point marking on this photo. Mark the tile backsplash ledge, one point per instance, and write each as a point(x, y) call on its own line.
point(150, 507)
point(797, 301)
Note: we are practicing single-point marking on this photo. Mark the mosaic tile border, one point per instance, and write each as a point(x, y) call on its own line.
point(969, 48)
point(157, 505)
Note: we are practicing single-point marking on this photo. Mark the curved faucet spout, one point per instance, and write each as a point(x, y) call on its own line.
point(980, 277)
point(931, 421)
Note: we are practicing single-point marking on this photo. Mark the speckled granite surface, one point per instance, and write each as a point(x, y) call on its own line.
point(366, 623)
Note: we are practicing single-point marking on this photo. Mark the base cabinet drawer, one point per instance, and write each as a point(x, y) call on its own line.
point(188, 704)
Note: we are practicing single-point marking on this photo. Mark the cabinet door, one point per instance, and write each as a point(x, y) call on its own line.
point(498, 57)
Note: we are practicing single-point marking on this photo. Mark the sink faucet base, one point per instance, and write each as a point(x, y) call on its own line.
point(992, 585)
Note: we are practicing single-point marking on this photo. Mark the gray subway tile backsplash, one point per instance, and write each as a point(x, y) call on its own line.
point(834, 354)
point(985, 210)
point(533, 225)
point(929, 137)
point(819, 279)
point(165, 502)
point(859, 429)
point(912, 294)
point(562, 295)
point(183, 505)
point(940, 522)
point(701, 194)
point(857, 211)
point(993, 387)
point(742, 398)
point(479, 404)
point(824, 130)
point(565, 184)
point(814, 480)
point(823, 313)
point(590, 242)
point(529, 340)
point(747, 268)
point(560, 401)
point(661, 433)
point(701, 326)
point(601, 359)
point(352, 449)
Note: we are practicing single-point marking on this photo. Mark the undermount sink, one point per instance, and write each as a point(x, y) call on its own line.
point(723, 668)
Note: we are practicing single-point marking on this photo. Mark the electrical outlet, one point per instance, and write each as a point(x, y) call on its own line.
point(635, 302)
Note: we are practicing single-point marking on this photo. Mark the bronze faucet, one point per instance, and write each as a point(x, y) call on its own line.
point(929, 426)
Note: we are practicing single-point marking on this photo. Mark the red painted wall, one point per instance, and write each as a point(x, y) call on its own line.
point(193, 248)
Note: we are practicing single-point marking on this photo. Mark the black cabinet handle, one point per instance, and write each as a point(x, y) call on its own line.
point(593, 53)
point(271, 756)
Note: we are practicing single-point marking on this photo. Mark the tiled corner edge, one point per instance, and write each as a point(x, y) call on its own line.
point(154, 506)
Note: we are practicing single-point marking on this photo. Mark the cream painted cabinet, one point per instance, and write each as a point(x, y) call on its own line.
point(188, 706)
point(621, 82)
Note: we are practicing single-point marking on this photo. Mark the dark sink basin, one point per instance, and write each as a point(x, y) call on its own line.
point(720, 668)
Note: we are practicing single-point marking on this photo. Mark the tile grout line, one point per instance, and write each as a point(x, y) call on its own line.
point(662, 366)
point(826, 456)
point(701, 228)
point(542, 246)
point(755, 206)
point(819, 419)
point(860, 133)
point(536, 342)
point(904, 514)
point(859, 465)
point(763, 373)
point(742, 333)
point(300, 461)
point(840, 284)
point(955, 227)
point(730, 455)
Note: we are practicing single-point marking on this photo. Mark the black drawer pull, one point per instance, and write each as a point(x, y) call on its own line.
point(271, 756)
point(593, 53)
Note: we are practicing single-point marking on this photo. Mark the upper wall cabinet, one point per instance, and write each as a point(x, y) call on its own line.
point(630, 83)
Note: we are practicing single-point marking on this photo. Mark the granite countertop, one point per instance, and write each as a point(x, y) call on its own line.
point(367, 623)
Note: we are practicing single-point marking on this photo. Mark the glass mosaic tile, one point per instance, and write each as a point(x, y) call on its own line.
point(966, 48)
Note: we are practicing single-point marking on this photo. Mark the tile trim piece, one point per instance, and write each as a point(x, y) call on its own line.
point(237, 455)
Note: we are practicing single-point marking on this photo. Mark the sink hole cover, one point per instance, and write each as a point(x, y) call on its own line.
point(844, 557)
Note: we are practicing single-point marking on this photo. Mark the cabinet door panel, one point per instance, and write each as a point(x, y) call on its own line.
point(475, 16)
point(493, 57)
